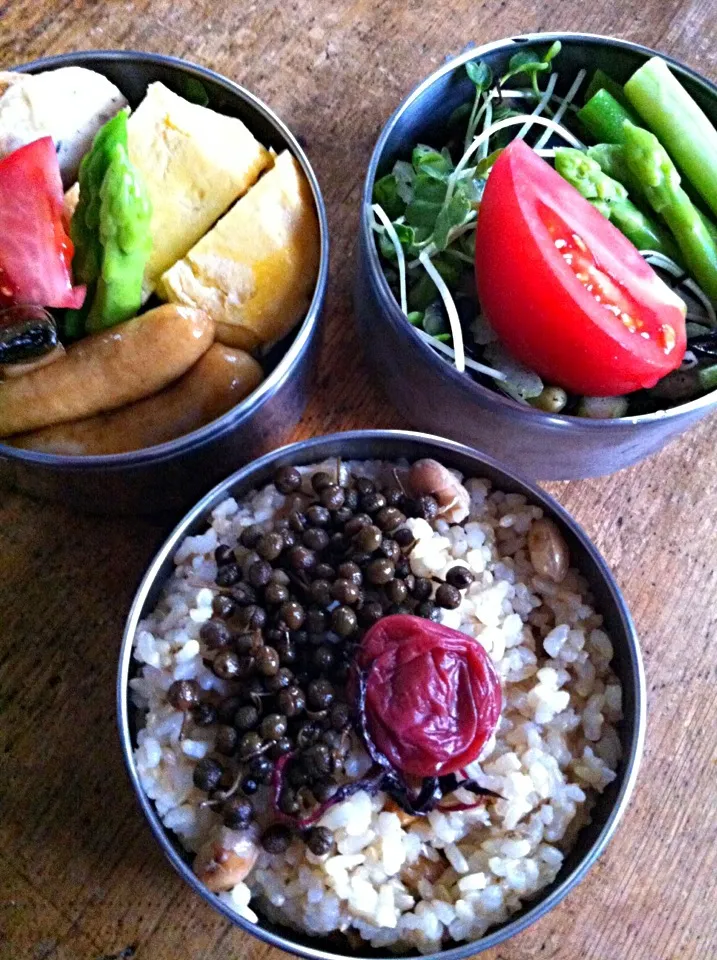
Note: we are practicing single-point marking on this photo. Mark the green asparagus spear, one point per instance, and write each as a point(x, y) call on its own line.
point(611, 198)
point(603, 117)
point(125, 214)
point(709, 225)
point(585, 175)
point(84, 227)
point(671, 113)
point(611, 157)
point(647, 160)
point(601, 81)
point(110, 229)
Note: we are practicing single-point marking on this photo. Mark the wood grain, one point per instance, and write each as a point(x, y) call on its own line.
point(80, 875)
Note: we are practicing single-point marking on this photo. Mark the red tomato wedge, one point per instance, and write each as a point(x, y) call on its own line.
point(564, 290)
point(35, 250)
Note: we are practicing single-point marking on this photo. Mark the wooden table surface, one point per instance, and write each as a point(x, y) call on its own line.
point(80, 875)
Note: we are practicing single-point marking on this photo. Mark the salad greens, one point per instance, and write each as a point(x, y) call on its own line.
point(426, 208)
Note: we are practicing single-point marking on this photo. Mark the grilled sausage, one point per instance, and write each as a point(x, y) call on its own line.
point(107, 370)
point(216, 383)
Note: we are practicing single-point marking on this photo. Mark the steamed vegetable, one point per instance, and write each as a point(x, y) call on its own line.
point(647, 160)
point(603, 117)
point(602, 81)
point(125, 239)
point(611, 199)
point(611, 158)
point(110, 228)
point(84, 226)
point(682, 127)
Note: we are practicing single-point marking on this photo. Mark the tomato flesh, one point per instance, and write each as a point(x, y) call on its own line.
point(564, 290)
point(35, 250)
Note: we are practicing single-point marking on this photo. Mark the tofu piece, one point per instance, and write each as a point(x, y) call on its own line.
point(255, 272)
point(194, 163)
point(69, 104)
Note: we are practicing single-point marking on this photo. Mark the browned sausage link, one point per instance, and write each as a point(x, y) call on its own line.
point(216, 383)
point(107, 370)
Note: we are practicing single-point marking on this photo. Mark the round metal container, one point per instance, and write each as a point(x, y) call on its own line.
point(390, 445)
point(428, 391)
point(172, 475)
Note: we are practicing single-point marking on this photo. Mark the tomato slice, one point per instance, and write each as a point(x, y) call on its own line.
point(35, 250)
point(564, 290)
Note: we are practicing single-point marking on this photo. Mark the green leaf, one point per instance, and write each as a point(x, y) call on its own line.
point(443, 337)
point(404, 174)
point(449, 270)
point(480, 74)
point(523, 59)
point(388, 251)
point(467, 244)
point(423, 292)
point(473, 190)
point(423, 213)
point(501, 111)
point(453, 214)
point(525, 63)
point(194, 91)
point(552, 52)
point(412, 238)
point(429, 161)
point(415, 318)
point(385, 193)
point(459, 115)
point(484, 167)
point(428, 197)
point(428, 188)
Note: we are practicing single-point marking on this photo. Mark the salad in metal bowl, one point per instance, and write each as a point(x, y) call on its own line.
point(563, 247)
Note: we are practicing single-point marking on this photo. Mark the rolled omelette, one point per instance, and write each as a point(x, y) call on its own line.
point(255, 271)
point(194, 163)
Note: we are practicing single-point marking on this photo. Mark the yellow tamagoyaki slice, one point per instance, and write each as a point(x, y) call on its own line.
point(255, 271)
point(194, 163)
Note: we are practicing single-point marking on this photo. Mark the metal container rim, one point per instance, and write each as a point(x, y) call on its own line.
point(304, 451)
point(562, 422)
point(243, 410)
